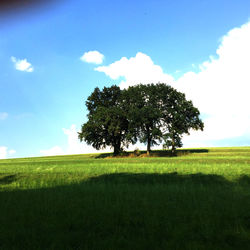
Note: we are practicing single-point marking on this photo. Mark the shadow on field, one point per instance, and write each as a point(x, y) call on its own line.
point(7, 179)
point(155, 153)
point(129, 211)
point(159, 179)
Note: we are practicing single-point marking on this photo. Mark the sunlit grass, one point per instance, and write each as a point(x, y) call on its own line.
point(198, 200)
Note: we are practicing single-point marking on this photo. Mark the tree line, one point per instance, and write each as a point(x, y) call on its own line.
point(151, 114)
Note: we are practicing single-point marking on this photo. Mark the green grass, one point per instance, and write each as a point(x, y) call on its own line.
point(198, 200)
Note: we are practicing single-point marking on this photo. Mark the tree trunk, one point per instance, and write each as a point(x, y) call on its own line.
point(148, 141)
point(117, 147)
point(173, 150)
point(117, 150)
point(148, 146)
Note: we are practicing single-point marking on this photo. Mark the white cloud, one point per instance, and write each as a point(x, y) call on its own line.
point(92, 57)
point(12, 151)
point(220, 89)
point(4, 152)
point(3, 115)
point(138, 69)
point(73, 145)
point(56, 150)
point(22, 64)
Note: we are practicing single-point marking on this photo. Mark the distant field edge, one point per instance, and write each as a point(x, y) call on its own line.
point(142, 153)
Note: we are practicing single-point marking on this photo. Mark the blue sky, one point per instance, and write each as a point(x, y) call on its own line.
point(44, 82)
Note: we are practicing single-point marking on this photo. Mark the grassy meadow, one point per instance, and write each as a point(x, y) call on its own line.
point(197, 200)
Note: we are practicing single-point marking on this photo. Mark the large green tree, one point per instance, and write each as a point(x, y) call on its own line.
point(107, 123)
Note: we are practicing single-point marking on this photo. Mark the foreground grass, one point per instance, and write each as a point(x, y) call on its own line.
point(195, 201)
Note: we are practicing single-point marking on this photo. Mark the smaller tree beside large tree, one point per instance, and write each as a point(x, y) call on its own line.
point(179, 116)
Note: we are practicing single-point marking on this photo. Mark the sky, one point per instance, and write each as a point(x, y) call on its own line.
point(53, 56)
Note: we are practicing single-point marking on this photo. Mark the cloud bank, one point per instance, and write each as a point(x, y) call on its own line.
point(92, 57)
point(73, 145)
point(22, 64)
point(4, 152)
point(220, 89)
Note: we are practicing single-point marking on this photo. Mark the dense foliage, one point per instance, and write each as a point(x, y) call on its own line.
point(107, 122)
point(149, 113)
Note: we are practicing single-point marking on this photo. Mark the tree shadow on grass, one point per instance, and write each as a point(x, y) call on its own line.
point(129, 211)
point(158, 179)
point(7, 179)
point(154, 153)
point(103, 155)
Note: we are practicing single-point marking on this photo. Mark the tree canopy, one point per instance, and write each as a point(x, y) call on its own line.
point(107, 122)
point(144, 114)
point(149, 113)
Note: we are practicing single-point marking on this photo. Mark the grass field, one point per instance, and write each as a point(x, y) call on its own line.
point(198, 200)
